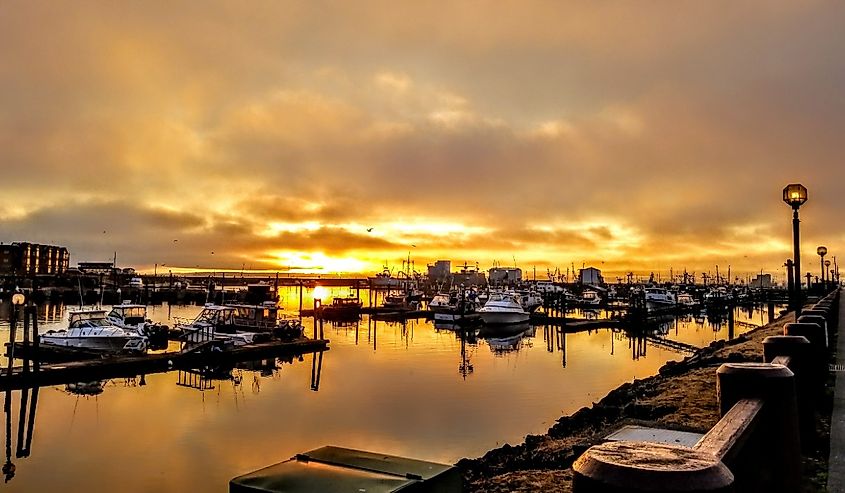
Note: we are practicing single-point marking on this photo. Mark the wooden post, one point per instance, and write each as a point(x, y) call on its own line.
point(627, 467)
point(800, 353)
point(13, 322)
point(26, 337)
point(36, 343)
point(773, 462)
point(811, 317)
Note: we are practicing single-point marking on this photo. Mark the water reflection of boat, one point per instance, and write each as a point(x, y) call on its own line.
point(85, 388)
point(505, 338)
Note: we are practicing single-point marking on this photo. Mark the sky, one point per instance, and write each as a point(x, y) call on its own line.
point(343, 136)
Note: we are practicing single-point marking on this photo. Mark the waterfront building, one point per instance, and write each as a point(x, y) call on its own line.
point(504, 275)
point(591, 276)
point(440, 271)
point(24, 258)
point(761, 281)
point(96, 267)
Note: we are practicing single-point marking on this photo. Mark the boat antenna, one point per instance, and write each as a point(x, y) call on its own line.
point(79, 284)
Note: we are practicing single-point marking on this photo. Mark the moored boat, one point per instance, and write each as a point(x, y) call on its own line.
point(133, 317)
point(658, 298)
point(341, 309)
point(503, 308)
point(89, 329)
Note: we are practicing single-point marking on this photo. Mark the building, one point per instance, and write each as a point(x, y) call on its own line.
point(591, 276)
point(30, 259)
point(469, 276)
point(440, 271)
point(761, 281)
point(96, 267)
point(504, 275)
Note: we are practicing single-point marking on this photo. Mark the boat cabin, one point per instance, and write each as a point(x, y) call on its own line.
point(87, 318)
point(129, 314)
point(256, 317)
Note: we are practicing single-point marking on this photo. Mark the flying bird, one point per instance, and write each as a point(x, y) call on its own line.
point(369, 230)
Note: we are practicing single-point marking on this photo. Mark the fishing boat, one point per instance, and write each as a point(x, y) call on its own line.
point(503, 308)
point(227, 323)
point(384, 280)
point(90, 329)
point(457, 306)
point(656, 298)
point(590, 297)
point(531, 300)
point(341, 309)
point(133, 317)
point(686, 300)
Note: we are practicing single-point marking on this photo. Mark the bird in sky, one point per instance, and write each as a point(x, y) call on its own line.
point(369, 230)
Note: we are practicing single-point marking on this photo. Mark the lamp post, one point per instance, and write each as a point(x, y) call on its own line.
point(821, 251)
point(795, 195)
point(828, 273)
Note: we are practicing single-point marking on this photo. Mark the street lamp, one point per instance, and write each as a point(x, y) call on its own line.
point(828, 273)
point(18, 299)
point(821, 251)
point(795, 195)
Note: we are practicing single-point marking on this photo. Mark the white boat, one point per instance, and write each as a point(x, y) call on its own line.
point(717, 296)
point(659, 298)
point(503, 308)
point(384, 280)
point(531, 300)
point(222, 323)
point(686, 299)
point(133, 317)
point(89, 329)
point(454, 307)
point(590, 297)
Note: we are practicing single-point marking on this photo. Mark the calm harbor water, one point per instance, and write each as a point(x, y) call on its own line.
point(409, 389)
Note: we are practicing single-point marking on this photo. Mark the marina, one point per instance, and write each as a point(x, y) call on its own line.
point(461, 371)
point(452, 247)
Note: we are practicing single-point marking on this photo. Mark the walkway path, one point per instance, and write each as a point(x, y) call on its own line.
point(836, 463)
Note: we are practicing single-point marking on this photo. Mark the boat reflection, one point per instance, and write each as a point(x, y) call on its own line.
point(507, 338)
point(85, 388)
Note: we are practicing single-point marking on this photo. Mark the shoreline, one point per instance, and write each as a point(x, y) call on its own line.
point(681, 396)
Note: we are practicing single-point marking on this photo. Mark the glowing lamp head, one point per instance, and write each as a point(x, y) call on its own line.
point(822, 251)
point(18, 299)
point(795, 194)
point(827, 263)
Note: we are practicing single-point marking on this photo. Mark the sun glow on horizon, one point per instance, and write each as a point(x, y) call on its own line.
point(319, 263)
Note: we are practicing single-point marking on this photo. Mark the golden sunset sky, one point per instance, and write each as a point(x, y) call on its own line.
point(627, 135)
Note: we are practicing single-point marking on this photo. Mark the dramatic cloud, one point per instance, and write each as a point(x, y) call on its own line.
point(629, 136)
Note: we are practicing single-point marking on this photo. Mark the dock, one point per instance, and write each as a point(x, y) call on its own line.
point(86, 369)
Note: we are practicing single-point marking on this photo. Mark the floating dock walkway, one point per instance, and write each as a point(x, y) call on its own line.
point(127, 366)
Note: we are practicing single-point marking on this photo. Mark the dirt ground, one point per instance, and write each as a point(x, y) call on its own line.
point(682, 396)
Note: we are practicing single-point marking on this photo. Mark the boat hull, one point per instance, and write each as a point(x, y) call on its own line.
point(503, 318)
point(114, 344)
